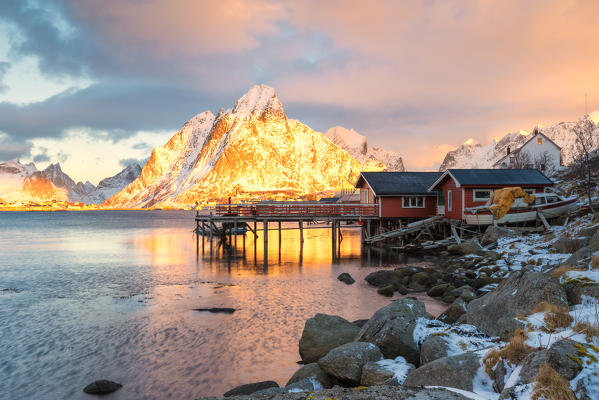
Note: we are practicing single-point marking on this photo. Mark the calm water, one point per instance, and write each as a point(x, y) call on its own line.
point(109, 295)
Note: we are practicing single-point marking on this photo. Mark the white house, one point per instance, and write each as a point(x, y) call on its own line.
point(537, 152)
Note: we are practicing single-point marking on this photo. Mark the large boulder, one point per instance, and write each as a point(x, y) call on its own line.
point(345, 362)
point(433, 348)
point(453, 312)
point(391, 328)
point(386, 372)
point(494, 233)
point(322, 333)
point(467, 247)
point(570, 245)
point(250, 388)
point(560, 356)
point(311, 372)
point(454, 371)
point(381, 278)
point(495, 312)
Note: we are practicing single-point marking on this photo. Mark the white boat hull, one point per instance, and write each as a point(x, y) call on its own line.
point(523, 215)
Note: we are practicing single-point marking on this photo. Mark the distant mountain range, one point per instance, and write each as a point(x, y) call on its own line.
point(371, 158)
point(474, 155)
point(25, 183)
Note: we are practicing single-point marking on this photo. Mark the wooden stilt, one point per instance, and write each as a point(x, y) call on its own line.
point(203, 235)
point(235, 233)
point(265, 225)
point(301, 229)
point(279, 234)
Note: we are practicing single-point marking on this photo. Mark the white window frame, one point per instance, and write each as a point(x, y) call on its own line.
point(449, 200)
point(409, 199)
point(482, 190)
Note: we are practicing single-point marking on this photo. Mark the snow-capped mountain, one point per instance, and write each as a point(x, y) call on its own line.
point(371, 158)
point(107, 187)
point(250, 151)
point(473, 155)
point(37, 187)
point(12, 177)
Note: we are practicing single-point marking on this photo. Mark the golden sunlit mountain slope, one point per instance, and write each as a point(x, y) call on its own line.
point(250, 152)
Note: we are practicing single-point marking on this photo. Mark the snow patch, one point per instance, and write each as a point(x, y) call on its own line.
point(399, 366)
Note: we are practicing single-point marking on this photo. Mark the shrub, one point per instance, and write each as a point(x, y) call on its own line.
point(514, 352)
point(549, 385)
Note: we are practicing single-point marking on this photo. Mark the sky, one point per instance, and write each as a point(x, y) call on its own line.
point(96, 84)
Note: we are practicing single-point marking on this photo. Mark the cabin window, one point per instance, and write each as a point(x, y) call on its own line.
point(539, 200)
point(413, 202)
point(512, 160)
point(440, 199)
point(552, 199)
point(364, 195)
point(449, 200)
point(539, 140)
point(482, 195)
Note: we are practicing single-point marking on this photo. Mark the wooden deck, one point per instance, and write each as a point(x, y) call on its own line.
point(297, 211)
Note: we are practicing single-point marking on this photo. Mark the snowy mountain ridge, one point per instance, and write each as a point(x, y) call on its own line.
point(371, 158)
point(250, 151)
point(474, 155)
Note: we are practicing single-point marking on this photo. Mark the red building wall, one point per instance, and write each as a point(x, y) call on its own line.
point(447, 185)
point(392, 207)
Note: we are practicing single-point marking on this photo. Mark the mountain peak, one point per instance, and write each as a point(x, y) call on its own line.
point(259, 100)
point(350, 137)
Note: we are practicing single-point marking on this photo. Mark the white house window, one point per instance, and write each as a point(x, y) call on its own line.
point(449, 200)
point(482, 194)
point(413, 202)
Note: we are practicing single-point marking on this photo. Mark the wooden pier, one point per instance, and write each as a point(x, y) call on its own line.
point(225, 221)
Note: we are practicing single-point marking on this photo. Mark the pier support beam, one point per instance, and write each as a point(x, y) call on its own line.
point(265, 225)
point(301, 229)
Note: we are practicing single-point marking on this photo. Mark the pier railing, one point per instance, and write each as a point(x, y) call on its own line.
point(297, 209)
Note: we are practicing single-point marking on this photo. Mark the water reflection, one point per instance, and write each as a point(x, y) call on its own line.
point(111, 295)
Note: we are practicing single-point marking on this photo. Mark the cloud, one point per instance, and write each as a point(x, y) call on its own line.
point(4, 66)
point(125, 162)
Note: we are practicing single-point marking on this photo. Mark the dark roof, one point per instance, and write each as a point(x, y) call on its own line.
point(397, 183)
point(328, 200)
point(499, 177)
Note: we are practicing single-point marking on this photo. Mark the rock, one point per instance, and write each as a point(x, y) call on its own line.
point(570, 245)
point(401, 289)
point(311, 371)
point(494, 233)
point(305, 385)
point(380, 278)
point(424, 279)
point(448, 299)
point(560, 356)
point(439, 290)
point(595, 262)
point(499, 374)
point(467, 247)
point(576, 288)
point(223, 310)
point(453, 312)
point(433, 348)
point(379, 392)
point(387, 290)
point(595, 240)
point(322, 333)
point(589, 230)
point(250, 388)
point(346, 361)
point(102, 386)
point(360, 322)
point(391, 328)
point(346, 278)
point(385, 372)
point(454, 371)
point(517, 295)
point(581, 256)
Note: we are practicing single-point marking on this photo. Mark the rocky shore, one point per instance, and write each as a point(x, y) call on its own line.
point(522, 323)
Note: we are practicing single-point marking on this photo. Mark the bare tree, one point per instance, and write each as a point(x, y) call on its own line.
point(522, 160)
point(543, 162)
point(584, 150)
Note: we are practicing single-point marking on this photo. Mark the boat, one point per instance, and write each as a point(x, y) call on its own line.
point(549, 204)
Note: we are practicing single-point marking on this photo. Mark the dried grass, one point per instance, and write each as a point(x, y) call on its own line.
point(549, 385)
point(555, 316)
point(514, 352)
point(589, 330)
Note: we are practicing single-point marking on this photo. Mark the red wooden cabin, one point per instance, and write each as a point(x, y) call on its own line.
point(464, 188)
point(399, 194)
